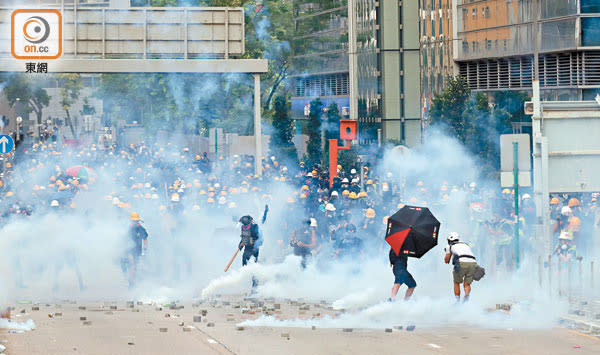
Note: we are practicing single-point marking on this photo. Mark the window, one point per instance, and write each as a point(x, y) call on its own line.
point(488, 44)
point(474, 12)
point(590, 31)
point(432, 27)
point(590, 6)
point(465, 46)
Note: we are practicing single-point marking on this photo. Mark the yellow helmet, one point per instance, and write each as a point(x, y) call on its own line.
point(304, 188)
point(353, 195)
point(370, 213)
point(506, 191)
point(9, 194)
point(134, 216)
point(202, 192)
point(369, 182)
point(363, 194)
point(400, 205)
point(290, 200)
point(554, 201)
point(420, 183)
point(210, 200)
point(339, 167)
point(345, 193)
point(162, 208)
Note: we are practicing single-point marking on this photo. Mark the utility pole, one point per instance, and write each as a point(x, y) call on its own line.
point(352, 61)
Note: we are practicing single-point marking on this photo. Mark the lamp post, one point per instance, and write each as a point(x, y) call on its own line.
point(19, 120)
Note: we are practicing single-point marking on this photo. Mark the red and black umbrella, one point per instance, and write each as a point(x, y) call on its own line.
point(412, 231)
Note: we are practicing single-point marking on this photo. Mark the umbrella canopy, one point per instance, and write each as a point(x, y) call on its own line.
point(412, 231)
point(80, 172)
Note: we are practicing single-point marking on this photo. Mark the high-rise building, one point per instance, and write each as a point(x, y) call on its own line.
point(387, 64)
point(498, 42)
point(437, 63)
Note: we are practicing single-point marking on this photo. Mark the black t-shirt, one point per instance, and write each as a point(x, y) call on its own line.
point(398, 259)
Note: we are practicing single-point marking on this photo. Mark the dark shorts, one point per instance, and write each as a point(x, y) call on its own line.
point(402, 276)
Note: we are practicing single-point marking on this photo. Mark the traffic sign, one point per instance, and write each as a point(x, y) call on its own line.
point(7, 144)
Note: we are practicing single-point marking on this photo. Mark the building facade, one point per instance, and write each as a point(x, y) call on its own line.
point(498, 42)
point(437, 63)
point(387, 69)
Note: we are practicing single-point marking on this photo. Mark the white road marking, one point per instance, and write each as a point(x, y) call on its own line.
point(435, 346)
point(212, 341)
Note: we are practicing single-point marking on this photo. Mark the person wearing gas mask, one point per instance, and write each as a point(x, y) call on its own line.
point(249, 239)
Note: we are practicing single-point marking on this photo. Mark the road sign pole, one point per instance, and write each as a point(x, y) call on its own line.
point(516, 187)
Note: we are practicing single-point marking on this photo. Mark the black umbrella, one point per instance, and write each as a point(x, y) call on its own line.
point(412, 231)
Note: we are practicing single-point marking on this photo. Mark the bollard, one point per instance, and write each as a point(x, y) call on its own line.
point(559, 278)
point(569, 284)
point(592, 273)
point(579, 259)
point(540, 270)
point(162, 330)
point(197, 319)
point(550, 275)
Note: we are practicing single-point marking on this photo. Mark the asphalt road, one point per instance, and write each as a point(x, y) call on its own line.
point(136, 329)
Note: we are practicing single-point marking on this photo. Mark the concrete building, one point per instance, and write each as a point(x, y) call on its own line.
point(386, 53)
point(436, 39)
point(499, 41)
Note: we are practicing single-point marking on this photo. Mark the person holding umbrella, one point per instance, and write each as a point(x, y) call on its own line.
point(401, 275)
point(412, 231)
point(464, 264)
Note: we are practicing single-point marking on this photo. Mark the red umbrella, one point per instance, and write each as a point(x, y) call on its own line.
point(80, 172)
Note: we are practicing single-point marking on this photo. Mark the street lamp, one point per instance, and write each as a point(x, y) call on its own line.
point(19, 120)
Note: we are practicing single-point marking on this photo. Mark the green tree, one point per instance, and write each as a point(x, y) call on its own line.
point(313, 130)
point(281, 143)
point(449, 108)
point(70, 88)
point(21, 88)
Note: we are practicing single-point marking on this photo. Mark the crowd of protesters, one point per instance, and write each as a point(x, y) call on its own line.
point(345, 220)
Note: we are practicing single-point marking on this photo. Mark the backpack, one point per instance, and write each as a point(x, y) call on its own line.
point(479, 273)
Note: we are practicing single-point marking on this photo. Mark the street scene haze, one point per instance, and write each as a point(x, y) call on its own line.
point(299, 177)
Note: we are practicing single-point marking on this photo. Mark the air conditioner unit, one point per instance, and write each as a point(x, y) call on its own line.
point(345, 111)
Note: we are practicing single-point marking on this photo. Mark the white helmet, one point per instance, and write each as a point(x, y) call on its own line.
point(453, 238)
point(313, 222)
point(115, 201)
point(472, 185)
point(222, 200)
point(566, 211)
point(54, 203)
point(329, 207)
point(345, 181)
point(526, 196)
point(334, 193)
point(353, 171)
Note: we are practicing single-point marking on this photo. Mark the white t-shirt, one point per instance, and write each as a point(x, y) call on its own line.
point(460, 249)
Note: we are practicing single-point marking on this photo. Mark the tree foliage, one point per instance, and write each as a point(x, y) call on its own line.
point(281, 143)
point(475, 122)
point(70, 88)
point(28, 92)
point(313, 130)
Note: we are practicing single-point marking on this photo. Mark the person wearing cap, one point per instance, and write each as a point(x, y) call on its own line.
point(138, 237)
point(464, 263)
point(304, 240)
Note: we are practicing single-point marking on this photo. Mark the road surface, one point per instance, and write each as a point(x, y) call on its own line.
point(134, 328)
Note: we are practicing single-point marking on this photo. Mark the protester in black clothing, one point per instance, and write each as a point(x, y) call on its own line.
point(249, 239)
point(401, 275)
point(304, 240)
point(139, 239)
